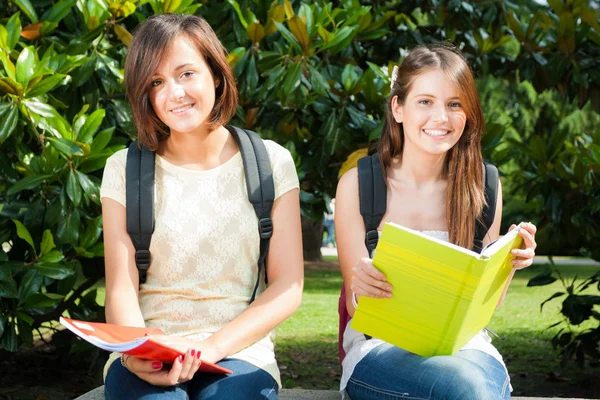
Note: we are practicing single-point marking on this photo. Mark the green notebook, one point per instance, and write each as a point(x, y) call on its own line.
point(442, 294)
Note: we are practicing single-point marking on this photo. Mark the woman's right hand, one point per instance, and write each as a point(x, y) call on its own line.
point(182, 370)
point(369, 281)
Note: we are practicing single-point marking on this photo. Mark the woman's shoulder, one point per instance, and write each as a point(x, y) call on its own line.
point(275, 149)
point(119, 158)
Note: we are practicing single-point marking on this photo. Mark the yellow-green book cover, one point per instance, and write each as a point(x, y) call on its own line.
point(442, 295)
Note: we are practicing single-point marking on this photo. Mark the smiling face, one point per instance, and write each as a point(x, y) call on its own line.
point(432, 116)
point(182, 91)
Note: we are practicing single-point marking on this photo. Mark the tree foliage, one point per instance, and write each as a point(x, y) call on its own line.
point(312, 75)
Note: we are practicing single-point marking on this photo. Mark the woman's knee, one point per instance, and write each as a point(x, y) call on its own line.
point(464, 380)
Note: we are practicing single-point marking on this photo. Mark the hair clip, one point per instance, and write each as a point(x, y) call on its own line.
point(394, 76)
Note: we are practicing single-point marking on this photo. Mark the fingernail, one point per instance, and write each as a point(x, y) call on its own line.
point(156, 365)
point(198, 354)
point(180, 358)
point(193, 352)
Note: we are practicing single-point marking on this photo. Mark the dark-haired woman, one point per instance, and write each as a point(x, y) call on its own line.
point(205, 246)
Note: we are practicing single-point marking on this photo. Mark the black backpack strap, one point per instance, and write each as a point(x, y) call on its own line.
point(261, 189)
point(490, 178)
point(373, 197)
point(139, 177)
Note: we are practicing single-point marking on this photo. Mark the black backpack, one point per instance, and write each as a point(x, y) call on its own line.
point(140, 196)
point(373, 201)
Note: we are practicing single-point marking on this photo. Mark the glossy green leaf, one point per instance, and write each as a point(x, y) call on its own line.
point(68, 231)
point(45, 85)
point(59, 10)
point(58, 271)
point(293, 79)
point(287, 35)
point(47, 242)
point(13, 30)
point(89, 187)
point(8, 122)
point(102, 139)
point(91, 125)
point(8, 289)
point(25, 65)
point(65, 146)
point(30, 284)
point(42, 300)
point(9, 338)
point(27, 8)
point(341, 38)
point(23, 233)
point(52, 257)
point(10, 86)
point(26, 183)
point(73, 188)
point(92, 232)
point(238, 11)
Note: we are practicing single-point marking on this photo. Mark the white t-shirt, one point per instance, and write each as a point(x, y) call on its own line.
point(205, 247)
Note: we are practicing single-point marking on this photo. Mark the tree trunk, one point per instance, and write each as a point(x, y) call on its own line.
point(312, 236)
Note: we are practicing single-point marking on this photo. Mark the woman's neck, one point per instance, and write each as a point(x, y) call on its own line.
point(203, 151)
point(418, 169)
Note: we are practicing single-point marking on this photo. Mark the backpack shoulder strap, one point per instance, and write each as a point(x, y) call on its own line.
point(260, 186)
point(139, 196)
point(490, 178)
point(373, 197)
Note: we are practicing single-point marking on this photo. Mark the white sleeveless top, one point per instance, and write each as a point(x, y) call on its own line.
point(357, 347)
point(205, 247)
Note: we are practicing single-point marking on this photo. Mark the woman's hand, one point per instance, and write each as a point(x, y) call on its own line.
point(209, 351)
point(182, 370)
point(524, 255)
point(369, 281)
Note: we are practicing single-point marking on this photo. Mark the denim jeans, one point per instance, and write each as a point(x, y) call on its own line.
point(389, 372)
point(246, 383)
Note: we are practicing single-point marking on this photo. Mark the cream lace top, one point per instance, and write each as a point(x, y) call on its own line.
point(205, 247)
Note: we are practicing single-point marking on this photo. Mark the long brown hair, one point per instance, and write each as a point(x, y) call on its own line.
point(151, 41)
point(463, 167)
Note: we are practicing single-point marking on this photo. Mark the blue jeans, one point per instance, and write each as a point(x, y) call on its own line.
point(246, 383)
point(389, 372)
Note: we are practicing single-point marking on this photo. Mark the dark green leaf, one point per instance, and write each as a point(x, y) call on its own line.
point(73, 188)
point(9, 338)
point(541, 280)
point(91, 125)
point(287, 35)
point(68, 231)
point(13, 29)
point(29, 182)
point(293, 79)
point(89, 187)
point(65, 146)
point(59, 10)
point(25, 332)
point(8, 289)
point(8, 122)
point(27, 9)
point(45, 85)
point(101, 140)
point(42, 300)
point(555, 295)
point(341, 38)
point(55, 271)
point(30, 284)
point(92, 232)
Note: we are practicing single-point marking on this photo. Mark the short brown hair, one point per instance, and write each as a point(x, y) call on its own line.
point(151, 41)
point(464, 163)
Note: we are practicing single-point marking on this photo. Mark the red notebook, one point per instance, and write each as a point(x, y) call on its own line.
point(131, 340)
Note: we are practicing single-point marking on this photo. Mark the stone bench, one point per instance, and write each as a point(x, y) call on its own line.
point(294, 394)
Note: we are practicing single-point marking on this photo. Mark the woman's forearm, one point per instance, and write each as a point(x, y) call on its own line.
point(272, 307)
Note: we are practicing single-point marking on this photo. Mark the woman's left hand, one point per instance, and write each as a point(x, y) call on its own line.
point(209, 351)
point(524, 255)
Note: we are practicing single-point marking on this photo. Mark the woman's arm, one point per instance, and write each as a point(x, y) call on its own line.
point(285, 270)
point(122, 282)
point(360, 276)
